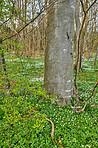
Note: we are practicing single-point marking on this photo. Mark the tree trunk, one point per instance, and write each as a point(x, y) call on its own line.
point(84, 46)
point(77, 21)
point(2, 58)
point(96, 56)
point(59, 51)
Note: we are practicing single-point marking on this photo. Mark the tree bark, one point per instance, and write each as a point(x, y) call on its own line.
point(77, 21)
point(2, 58)
point(59, 51)
point(96, 56)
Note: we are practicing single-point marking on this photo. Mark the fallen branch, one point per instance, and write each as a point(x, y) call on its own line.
point(52, 130)
point(86, 100)
point(76, 107)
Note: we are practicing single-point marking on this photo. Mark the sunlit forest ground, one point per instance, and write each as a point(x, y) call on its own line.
point(24, 106)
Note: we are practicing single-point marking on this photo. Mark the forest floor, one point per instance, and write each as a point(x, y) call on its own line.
point(25, 105)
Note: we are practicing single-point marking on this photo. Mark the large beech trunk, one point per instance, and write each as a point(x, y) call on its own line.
point(59, 51)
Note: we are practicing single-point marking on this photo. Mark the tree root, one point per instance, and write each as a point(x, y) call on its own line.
point(86, 101)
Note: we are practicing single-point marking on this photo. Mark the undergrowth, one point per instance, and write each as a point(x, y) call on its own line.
point(24, 106)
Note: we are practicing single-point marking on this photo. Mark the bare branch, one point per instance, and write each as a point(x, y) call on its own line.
point(30, 21)
point(10, 15)
point(80, 37)
point(91, 6)
point(5, 22)
point(83, 7)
